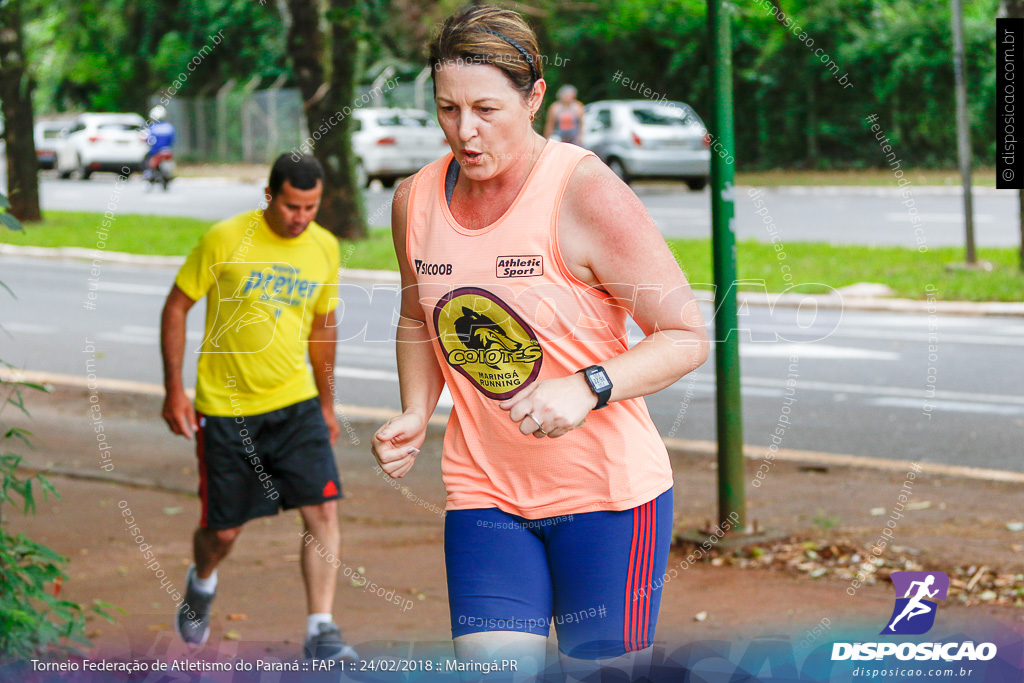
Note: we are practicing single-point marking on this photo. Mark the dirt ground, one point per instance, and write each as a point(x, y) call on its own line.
point(395, 541)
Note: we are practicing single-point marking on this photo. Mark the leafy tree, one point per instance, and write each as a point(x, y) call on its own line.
point(35, 620)
point(114, 55)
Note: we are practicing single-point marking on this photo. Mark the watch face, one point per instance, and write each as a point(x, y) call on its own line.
point(599, 380)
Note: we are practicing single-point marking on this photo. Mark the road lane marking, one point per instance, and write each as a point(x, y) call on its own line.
point(704, 447)
point(812, 350)
point(922, 338)
point(133, 288)
point(829, 387)
point(904, 217)
point(953, 406)
point(28, 328)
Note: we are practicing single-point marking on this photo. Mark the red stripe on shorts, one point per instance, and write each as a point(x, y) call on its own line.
point(629, 581)
point(649, 574)
point(634, 633)
point(644, 570)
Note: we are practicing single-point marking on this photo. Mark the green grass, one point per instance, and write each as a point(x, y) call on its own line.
point(167, 236)
point(150, 235)
point(907, 271)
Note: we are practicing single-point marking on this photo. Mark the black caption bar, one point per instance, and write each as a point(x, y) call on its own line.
point(1009, 148)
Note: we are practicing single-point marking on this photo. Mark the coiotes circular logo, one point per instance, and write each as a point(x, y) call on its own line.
point(486, 341)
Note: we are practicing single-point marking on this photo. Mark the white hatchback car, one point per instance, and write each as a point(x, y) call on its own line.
point(102, 142)
point(393, 143)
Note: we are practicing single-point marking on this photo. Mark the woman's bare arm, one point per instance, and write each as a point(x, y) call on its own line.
point(609, 240)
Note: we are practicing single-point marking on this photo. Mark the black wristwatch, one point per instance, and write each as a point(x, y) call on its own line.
point(599, 383)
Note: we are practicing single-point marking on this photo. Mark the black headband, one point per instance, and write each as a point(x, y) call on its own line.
point(526, 55)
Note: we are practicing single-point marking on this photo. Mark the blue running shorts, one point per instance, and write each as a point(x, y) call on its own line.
point(590, 574)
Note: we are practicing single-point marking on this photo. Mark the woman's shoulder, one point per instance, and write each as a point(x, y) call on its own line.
point(594, 192)
point(423, 177)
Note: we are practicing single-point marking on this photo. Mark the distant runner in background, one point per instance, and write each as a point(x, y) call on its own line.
point(565, 116)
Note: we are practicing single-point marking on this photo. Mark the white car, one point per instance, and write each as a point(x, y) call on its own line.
point(102, 142)
point(47, 136)
point(649, 139)
point(393, 143)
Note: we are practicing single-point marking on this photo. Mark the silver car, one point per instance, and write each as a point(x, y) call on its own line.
point(649, 139)
point(393, 143)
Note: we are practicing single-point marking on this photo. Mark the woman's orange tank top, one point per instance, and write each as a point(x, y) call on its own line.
point(504, 311)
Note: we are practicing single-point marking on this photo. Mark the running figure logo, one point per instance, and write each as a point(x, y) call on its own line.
point(248, 310)
point(914, 613)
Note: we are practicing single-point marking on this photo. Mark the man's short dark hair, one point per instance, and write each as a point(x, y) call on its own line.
point(302, 173)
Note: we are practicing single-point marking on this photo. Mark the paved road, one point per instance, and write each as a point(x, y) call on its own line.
point(861, 378)
point(839, 215)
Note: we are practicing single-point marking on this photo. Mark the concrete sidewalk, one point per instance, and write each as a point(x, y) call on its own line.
point(393, 538)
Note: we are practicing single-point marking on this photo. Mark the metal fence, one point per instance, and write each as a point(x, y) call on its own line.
point(241, 124)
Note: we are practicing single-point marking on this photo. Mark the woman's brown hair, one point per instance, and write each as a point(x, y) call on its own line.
point(484, 34)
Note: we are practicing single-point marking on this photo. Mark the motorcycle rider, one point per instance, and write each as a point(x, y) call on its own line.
point(159, 135)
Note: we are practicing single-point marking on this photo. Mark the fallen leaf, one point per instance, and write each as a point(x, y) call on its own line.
point(237, 617)
point(700, 616)
point(157, 627)
point(1015, 526)
point(172, 511)
point(923, 505)
point(877, 512)
point(232, 635)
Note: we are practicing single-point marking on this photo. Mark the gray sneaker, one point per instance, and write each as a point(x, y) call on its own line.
point(328, 644)
point(193, 620)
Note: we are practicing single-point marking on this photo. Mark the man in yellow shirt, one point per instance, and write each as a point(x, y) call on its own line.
point(264, 424)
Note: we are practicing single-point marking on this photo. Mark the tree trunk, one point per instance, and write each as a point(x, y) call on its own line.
point(16, 103)
point(328, 96)
point(812, 123)
point(1014, 9)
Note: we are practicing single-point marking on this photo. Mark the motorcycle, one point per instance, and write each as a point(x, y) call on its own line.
point(160, 169)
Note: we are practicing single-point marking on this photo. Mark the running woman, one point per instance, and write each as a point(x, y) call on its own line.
point(521, 260)
point(263, 423)
point(565, 116)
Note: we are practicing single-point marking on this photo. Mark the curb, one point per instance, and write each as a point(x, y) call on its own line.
point(876, 190)
point(437, 423)
point(83, 254)
point(821, 301)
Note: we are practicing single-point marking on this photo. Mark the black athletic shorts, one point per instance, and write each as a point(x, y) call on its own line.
point(254, 466)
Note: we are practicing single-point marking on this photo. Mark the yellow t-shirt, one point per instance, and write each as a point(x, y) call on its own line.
point(263, 292)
